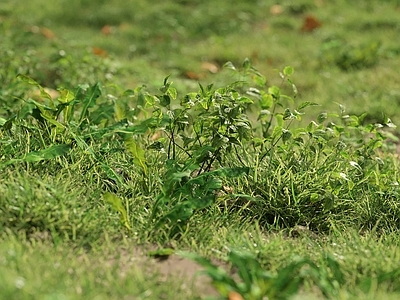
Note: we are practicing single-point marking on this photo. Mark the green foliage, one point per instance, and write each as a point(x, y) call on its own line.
point(308, 175)
point(183, 195)
point(349, 57)
point(256, 283)
point(119, 207)
point(199, 167)
point(315, 174)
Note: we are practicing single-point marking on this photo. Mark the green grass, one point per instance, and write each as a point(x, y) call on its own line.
point(117, 182)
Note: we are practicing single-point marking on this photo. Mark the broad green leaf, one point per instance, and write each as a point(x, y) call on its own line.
point(46, 95)
point(287, 98)
point(42, 112)
point(7, 124)
point(65, 95)
point(206, 200)
point(176, 176)
point(43, 92)
point(165, 100)
point(245, 100)
point(42, 107)
point(350, 184)
point(277, 132)
point(322, 117)
point(27, 79)
point(26, 110)
point(329, 201)
point(259, 79)
point(279, 120)
point(178, 214)
point(89, 99)
point(138, 154)
point(286, 135)
point(288, 71)
point(166, 83)
point(246, 64)
point(117, 205)
point(172, 92)
point(229, 65)
point(48, 153)
point(45, 154)
point(275, 92)
point(266, 101)
point(288, 115)
point(51, 120)
point(119, 111)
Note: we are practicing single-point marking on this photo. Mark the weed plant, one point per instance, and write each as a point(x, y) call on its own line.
point(300, 203)
point(327, 174)
point(314, 175)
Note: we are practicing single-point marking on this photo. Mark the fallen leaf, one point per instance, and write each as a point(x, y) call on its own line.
point(99, 52)
point(310, 23)
point(106, 30)
point(192, 75)
point(156, 136)
point(228, 189)
point(47, 33)
point(234, 296)
point(276, 9)
point(211, 67)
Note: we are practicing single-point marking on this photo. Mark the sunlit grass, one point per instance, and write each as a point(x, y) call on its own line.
point(93, 175)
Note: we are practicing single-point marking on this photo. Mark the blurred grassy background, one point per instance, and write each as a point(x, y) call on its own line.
point(343, 52)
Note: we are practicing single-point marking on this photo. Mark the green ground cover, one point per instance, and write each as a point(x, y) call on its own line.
point(256, 141)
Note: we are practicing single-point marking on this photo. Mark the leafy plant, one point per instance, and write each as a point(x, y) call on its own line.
point(255, 283)
point(308, 174)
point(182, 195)
point(350, 57)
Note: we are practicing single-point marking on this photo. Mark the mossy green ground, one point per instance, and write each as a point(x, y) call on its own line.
point(60, 240)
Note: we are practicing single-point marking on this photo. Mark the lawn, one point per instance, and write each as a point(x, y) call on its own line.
point(199, 149)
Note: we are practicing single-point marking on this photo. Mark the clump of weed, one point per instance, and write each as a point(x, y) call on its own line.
point(349, 57)
point(327, 171)
point(319, 173)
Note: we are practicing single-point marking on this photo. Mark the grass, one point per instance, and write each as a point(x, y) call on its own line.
point(114, 180)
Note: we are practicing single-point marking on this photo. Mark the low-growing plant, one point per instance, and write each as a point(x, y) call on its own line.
point(255, 283)
point(312, 175)
point(349, 57)
point(199, 135)
point(315, 174)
